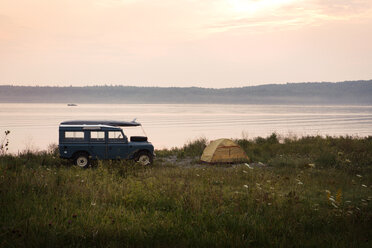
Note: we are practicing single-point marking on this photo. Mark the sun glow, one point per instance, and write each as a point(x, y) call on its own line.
point(254, 6)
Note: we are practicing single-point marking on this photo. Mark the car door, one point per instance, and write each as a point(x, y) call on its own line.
point(97, 144)
point(117, 145)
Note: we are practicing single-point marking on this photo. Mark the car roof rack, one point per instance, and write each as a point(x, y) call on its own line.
point(108, 123)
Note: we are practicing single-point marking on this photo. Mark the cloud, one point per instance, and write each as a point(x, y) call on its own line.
point(295, 14)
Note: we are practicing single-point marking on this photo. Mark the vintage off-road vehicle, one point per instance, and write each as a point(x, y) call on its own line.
point(84, 141)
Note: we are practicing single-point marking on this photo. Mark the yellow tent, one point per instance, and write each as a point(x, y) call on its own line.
point(223, 151)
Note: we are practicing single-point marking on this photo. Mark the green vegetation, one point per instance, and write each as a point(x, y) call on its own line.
point(310, 192)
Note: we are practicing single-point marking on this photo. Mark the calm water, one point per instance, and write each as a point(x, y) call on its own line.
point(35, 126)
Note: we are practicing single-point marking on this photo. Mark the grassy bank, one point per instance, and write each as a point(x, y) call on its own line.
point(314, 191)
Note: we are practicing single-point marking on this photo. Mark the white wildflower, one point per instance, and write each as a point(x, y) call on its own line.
point(248, 166)
point(334, 205)
point(365, 186)
point(311, 165)
point(360, 176)
point(245, 186)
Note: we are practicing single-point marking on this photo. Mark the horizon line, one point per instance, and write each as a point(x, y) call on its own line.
point(152, 86)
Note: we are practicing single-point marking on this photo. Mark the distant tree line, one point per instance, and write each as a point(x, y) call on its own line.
point(350, 92)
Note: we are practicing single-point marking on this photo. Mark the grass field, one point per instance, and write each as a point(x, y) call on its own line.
point(306, 192)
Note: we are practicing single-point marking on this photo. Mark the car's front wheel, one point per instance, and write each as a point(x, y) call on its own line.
point(82, 160)
point(144, 158)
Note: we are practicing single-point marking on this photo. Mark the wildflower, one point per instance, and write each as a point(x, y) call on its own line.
point(300, 183)
point(245, 186)
point(248, 166)
point(197, 175)
point(347, 161)
point(93, 203)
point(334, 205)
point(245, 172)
point(331, 199)
point(365, 186)
point(311, 165)
point(328, 194)
point(347, 201)
point(360, 176)
point(269, 203)
point(82, 181)
point(339, 196)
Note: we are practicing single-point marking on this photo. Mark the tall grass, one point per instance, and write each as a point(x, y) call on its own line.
point(46, 202)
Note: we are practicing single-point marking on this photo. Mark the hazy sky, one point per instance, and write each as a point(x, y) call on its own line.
point(206, 43)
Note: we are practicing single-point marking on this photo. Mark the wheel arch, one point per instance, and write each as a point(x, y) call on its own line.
point(75, 154)
point(136, 153)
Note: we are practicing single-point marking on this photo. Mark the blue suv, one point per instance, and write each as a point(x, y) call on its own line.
point(84, 141)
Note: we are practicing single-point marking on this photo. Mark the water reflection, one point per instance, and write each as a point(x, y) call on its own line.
point(35, 126)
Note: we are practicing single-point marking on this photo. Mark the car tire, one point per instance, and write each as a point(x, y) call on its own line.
point(144, 158)
point(82, 160)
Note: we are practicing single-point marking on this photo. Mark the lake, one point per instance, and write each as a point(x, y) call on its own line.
point(35, 126)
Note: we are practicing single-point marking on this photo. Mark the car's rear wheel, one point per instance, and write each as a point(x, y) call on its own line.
point(144, 158)
point(82, 160)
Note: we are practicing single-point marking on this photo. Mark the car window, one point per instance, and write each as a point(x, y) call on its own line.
point(97, 136)
point(71, 135)
point(115, 136)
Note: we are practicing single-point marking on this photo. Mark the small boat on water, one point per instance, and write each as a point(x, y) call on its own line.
point(71, 104)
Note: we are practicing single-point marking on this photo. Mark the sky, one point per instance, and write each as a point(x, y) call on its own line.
point(209, 43)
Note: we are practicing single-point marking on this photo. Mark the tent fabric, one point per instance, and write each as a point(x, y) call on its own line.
point(223, 151)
